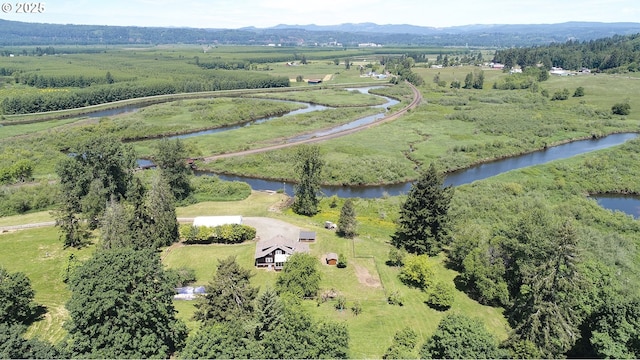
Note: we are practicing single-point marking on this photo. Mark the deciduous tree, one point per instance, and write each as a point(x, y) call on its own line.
point(417, 271)
point(300, 276)
point(461, 337)
point(161, 213)
point(171, 159)
point(16, 298)
point(403, 345)
point(309, 165)
point(615, 332)
point(121, 306)
point(441, 295)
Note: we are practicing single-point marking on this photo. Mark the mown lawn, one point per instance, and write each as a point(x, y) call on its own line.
point(367, 278)
point(39, 254)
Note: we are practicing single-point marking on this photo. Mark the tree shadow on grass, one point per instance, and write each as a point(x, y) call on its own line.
point(37, 313)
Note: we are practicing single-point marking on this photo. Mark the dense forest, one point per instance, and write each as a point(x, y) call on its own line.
point(613, 54)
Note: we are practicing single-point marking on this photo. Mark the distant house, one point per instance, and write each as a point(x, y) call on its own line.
point(332, 259)
point(314, 81)
point(496, 66)
point(307, 236)
point(273, 253)
point(213, 221)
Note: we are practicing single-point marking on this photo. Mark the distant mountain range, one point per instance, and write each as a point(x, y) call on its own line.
point(13, 33)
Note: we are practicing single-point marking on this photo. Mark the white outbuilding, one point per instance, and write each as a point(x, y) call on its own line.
point(213, 221)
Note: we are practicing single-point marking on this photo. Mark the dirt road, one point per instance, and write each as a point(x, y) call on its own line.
point(417, 98)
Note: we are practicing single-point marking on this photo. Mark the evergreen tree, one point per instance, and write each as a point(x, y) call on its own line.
point(269, 312)
point(347, 222)
point(545, 311)
point(468, 81)
point(229, 295)
point(226, 340)
point(423, 221)
point(309, 167)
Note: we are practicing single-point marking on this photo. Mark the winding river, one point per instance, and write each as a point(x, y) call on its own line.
point(460, 177)
point(308, 107)
point(464, 176)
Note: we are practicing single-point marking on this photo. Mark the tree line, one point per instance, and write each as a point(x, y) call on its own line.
point(106, 93)
point(558, 302)
point(613, 54)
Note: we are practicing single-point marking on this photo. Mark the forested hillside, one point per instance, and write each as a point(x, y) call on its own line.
point(613, 54)
point(14, 33)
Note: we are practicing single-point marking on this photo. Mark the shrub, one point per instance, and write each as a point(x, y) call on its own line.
point(395, 298)
point(396, 256)
point(342, 261)
point(621, 109)
point(356, 308)
point(561, 95)
point(441, 296)
point(417, 271)
point(223, 234)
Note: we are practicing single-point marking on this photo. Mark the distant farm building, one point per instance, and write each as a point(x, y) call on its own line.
point(213, 221)
point(496, 66)
point(314, 81)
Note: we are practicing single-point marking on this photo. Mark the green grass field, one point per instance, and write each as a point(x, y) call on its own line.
point(453, 127)
point(367, 279)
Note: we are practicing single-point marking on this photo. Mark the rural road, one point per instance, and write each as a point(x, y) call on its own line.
point(417, 98)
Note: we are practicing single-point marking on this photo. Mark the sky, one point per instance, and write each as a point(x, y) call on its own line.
point(233, 14)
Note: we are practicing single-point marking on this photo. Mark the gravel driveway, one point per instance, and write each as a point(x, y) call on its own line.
point(267, 228)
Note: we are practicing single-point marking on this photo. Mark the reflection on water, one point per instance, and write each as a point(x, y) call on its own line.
point(461, 177)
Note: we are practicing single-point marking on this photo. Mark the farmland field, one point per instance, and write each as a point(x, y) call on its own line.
point(453, 128)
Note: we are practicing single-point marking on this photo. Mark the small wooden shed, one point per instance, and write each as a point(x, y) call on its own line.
point(332, 259)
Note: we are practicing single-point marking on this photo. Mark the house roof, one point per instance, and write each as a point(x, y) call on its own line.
point(332, 256)
point(279, 242)
point(307, 234)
